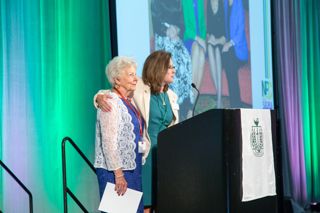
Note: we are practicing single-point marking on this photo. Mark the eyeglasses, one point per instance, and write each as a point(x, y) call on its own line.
point(171, 67)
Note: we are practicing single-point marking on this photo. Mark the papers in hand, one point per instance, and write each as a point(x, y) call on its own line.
point(111, 202)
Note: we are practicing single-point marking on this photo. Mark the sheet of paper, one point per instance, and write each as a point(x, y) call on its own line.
point(111, 202)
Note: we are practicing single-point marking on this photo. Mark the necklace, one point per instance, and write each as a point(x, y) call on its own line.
point(162, 98)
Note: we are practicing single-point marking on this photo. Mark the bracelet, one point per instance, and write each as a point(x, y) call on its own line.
point(119, 176)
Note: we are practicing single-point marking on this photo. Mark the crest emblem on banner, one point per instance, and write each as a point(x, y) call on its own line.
point(256, 139)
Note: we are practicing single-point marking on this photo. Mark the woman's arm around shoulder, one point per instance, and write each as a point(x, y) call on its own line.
point(100, 100)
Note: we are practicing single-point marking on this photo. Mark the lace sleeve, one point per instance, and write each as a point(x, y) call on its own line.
point(109, 122)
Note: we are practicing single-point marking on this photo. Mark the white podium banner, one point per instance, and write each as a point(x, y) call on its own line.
point(258, 176)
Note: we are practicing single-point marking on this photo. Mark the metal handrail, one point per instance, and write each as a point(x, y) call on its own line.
point(66, 190)
point(21, 185)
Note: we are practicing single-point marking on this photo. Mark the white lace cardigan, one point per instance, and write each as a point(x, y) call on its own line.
point(141, 100)
point(115, 146)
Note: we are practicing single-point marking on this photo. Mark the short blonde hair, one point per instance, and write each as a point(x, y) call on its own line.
point(117, 65)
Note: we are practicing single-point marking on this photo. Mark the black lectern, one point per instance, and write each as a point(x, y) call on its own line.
point(199, 166)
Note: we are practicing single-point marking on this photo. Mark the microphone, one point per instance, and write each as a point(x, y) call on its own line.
point(198, 94)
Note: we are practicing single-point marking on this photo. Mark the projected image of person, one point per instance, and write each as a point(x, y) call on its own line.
point(118, 132)
point(235, 50)
point(168, 28)
point(215, 40)
point(195, 36)
point(159, 109)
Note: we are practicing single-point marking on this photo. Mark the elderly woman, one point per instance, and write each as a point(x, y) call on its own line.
point(118, 132)
point(159, 109)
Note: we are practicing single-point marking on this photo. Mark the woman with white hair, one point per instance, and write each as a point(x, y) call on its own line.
point(159, 109)
point(119, 132)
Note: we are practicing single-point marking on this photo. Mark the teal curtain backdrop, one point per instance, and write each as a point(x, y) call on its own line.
point(297, 27)
point(310, 93)
point(53, 55)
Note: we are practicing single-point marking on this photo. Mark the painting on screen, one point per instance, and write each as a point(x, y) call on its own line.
point(210, 46)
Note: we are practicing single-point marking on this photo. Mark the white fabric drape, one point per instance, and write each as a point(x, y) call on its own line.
point(258, 175)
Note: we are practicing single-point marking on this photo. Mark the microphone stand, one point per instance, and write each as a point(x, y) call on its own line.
point(196, 101)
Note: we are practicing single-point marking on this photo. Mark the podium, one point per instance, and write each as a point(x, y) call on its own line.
point(199, 166)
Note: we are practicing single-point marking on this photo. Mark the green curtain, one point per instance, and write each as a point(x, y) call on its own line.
point(310, 67)
point(52, 63)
